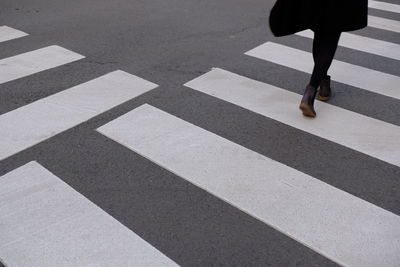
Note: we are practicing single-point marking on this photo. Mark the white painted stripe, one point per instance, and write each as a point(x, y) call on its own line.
point(36, 122)
point(368, 79)
point(364, 134)
point(365, 44)
point(384, 24)
point(384, 6)
point(35, 61)
point(338, 225)
point(8, 33)
point(45, 222)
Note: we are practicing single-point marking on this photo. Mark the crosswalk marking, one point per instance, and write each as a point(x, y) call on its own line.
point(318, 215)
point(365, 44)
point(384, 24)
point(8, 33)
point(33, 123)
point(364, 134)
point(35, 61)
point(45, 222)
point(368, 79)
point(384, 6)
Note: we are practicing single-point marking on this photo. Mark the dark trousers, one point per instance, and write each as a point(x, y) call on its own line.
point(324, 49)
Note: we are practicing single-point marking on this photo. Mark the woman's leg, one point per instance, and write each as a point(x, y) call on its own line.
point(324, 49)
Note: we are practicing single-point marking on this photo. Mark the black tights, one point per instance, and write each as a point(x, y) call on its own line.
point(324, 49)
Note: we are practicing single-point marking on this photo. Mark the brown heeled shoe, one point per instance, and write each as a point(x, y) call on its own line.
point(307, 102)
point(324, 93)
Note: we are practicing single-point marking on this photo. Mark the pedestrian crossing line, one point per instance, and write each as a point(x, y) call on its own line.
point(8, 33)
point(35, 61)
point(365, 44)
point(45, 222)
point(361, 77)
point(322, 217)
point(384, 24)
point(384, 6)
point(361, 133)
point(38, 121)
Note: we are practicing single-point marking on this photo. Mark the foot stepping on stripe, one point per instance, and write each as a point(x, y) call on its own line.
point(322, 217)
point(38, 121)
point(364, 78)
point(361, 133)
point(45, 222)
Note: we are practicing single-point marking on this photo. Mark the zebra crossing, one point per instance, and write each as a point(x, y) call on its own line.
point(384, 24)
point(8, 33)
point(372, 80)
point(358, 132)
point(38, 121)
point(55, 212)
point(365, 44)
point(45, 222)
point(35, 61)
point(384, 6)
point(289, 204)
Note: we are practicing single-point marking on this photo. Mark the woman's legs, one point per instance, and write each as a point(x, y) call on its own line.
point(324, 49)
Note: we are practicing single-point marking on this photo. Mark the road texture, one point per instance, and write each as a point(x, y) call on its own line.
point(170, 43)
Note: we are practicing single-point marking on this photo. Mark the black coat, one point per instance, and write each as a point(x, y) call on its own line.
point(290, 16)
point(340, 15)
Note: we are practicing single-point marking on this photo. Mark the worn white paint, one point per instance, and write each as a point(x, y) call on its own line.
point(340, 226)
point(35, 61)
point(384, 6)
point(364, 134)
point(384, 24)
point(45, 222)
point(38, 121)
point(364, 78)
point(8, 33)
point(365, 44)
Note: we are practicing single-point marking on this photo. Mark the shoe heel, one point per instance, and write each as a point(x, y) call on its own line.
point(307, 110)
point(323, 98)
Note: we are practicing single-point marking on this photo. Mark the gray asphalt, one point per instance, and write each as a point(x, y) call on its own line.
point(170, 43)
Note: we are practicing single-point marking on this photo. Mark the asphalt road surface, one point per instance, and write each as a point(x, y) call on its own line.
point(167, 132)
